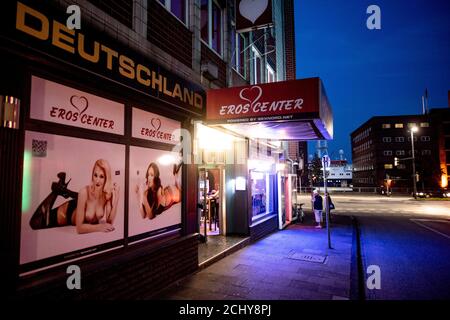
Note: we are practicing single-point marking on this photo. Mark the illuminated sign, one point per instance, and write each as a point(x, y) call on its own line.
point(150, 126)
point(54, 102)
point(36, 30)
point(264, 102)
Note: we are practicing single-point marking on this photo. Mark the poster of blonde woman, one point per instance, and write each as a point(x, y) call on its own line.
point(73, 195)
point(155, 190)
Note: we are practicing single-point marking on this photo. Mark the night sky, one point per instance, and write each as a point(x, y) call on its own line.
point(374, 72)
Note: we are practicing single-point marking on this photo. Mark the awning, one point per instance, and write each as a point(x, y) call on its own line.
point(288, 110)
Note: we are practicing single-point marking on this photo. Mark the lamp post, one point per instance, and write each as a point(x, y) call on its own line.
point(325, 165)
point(413, 129)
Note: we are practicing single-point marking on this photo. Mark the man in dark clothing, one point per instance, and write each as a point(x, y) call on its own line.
point(318, 207)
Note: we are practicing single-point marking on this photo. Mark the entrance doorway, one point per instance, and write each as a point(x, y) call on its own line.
point(211, 201)
point(212, 217)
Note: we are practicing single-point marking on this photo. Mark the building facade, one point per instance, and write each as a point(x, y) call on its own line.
point(382, 152)
point(121, 100)
point(297, 151)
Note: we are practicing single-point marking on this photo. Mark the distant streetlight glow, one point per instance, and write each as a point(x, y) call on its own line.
point(444, 181)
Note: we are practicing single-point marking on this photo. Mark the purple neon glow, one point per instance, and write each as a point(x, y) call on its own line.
point(275, 130)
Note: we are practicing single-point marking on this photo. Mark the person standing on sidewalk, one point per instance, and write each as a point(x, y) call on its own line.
point(318, 207)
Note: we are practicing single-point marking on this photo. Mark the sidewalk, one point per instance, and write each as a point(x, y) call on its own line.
point(271, 269)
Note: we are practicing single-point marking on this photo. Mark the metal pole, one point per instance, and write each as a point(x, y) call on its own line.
point(300, 178)
point(205, 209)
point(327, 207)
point(413, 165)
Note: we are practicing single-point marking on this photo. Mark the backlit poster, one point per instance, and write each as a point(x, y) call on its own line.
point(154, 127)
point(54, 102)
point(73, 196)
point(155, 190)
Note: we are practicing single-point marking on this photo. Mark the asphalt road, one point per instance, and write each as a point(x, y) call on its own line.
point(408, 240)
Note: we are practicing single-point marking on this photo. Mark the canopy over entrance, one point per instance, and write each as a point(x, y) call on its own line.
point(288, 110)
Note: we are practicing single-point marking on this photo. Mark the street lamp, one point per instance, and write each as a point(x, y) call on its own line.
point(413, 129)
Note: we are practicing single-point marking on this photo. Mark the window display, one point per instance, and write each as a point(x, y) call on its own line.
point(262, 193)
point(73, 191)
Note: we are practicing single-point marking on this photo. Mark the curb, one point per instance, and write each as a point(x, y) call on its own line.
point(357, 289)
point(236, 247)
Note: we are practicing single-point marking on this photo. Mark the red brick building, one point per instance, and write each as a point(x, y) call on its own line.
point(110, 91)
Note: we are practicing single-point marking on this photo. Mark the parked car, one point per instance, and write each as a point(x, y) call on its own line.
point(434, 193)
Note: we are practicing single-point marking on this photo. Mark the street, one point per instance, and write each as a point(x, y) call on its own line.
point(409, 240)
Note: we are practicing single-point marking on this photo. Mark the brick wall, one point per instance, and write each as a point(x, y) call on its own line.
point(289, 39)
point(209, 55)
point(168, 33)
point(293, 152)
point(138, 272)
point(237, 79)
point(122, 10)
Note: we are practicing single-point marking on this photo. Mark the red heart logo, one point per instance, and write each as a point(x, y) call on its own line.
point(251, 95)
point(156, 124)
point(79, 103)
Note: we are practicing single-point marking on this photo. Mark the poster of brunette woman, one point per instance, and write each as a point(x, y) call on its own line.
point(155, 190)
point(73, 195)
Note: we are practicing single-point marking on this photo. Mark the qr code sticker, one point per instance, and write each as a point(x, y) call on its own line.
point(39, 148)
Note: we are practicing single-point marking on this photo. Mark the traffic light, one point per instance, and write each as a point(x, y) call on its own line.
point(396, 161)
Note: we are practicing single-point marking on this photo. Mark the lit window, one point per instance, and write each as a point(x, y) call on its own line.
point(256, 78)
point(424, 124)
point(216, 40)
point(204, 20)
point(211, 24)
point(237, 49)
point(177, 7)
point(270, 74)
point(386, 125)
point(399, 125)
point(412, 125)
point(262, 193)
point(388, 166)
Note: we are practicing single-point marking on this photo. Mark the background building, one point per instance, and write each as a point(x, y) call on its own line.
point(340, 174)
point(380, 140)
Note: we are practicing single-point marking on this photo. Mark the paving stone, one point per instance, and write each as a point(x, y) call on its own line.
point(338, 291)
point(263, 270)
point(304, 285)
